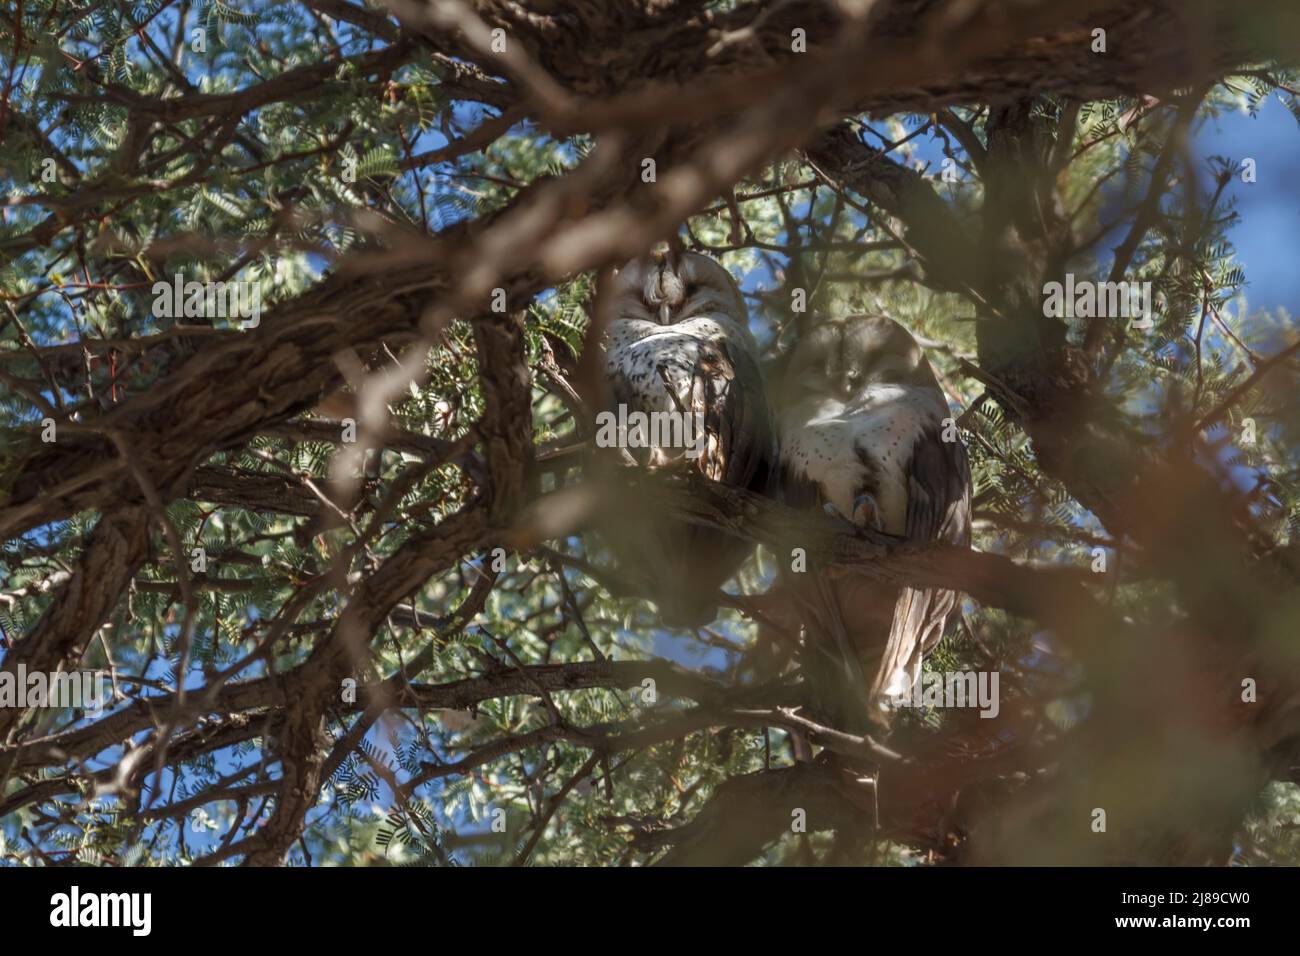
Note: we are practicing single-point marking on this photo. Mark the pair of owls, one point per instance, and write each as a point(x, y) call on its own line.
point(857, 430)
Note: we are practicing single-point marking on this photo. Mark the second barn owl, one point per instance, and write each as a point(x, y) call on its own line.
point(862, 432)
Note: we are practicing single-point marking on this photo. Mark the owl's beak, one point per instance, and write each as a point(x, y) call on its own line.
point(660, 253)
point(666, 254)
point(668, 285)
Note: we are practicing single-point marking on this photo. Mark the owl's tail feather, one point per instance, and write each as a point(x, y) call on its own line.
point(919, 617)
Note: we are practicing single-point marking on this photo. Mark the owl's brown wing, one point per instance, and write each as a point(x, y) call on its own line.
point(727, 390)
point(798, 490)
point(938, 509)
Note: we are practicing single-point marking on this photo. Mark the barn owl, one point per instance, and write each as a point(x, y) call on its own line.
point(862, 434)
point(678, 348)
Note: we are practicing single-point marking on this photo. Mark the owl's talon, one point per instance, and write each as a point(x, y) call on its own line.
point(866, 513)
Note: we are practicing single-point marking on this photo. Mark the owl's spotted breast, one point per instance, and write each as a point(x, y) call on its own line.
point(861, 446)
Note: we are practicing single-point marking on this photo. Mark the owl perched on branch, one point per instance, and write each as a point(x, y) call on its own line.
point(683, 390)
point(862, 429)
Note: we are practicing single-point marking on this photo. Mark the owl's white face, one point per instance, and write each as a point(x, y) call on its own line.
point(842, 357)
point(667, 289)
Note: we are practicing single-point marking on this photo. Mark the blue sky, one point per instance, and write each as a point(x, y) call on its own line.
point(1269, 227)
